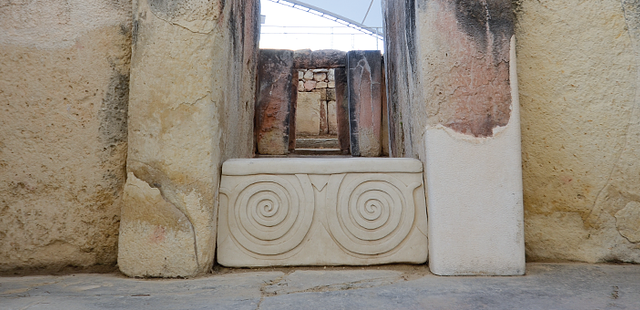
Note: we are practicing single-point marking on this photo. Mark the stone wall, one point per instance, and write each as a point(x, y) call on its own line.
point(316, 108)
point(64, 82)
point(578, 68)
point(64, 89)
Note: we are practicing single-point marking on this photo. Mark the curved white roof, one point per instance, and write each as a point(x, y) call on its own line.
point(365, 14)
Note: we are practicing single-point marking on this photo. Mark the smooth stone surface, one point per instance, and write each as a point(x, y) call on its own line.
point(250, 166)
point(349, 211)
point(546, 286)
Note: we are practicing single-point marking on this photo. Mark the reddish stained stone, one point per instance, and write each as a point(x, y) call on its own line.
point(475, 93)
point(364, 74)
point(275, 109)
point(320, 59)
point(342, 110)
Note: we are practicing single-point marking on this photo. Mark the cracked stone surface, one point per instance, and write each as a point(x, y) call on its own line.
point(580, 128)
point(188, 112)
point(545, 286)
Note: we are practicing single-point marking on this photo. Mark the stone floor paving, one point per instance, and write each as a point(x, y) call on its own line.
point(545, 286)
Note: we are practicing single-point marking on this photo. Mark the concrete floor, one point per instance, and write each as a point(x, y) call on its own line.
point(546, 286)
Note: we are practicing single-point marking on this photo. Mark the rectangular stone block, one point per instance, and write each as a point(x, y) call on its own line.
point(364, 74)
point(308, 114)
point(275, 106)
point(321, 211)
point(320, 59)
point(472, 139)
point(332, 118)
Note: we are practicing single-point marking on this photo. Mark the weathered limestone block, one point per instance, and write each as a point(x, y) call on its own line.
point(349, 211)
point(473, 164)
point(332, 118)
point(342, 110)
point(64, 89)
point(324, 122)
point(308, 114)
point(580, 128)
point(320, 59)
point(190, 108)
point(277, 91)
point(364, 72)
point(158, 237)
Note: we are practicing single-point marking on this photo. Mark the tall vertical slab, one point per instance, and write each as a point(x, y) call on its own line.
point(473, 161)
point(275, 106)
point(342, 110)
point(364, 75)
point(190, 108)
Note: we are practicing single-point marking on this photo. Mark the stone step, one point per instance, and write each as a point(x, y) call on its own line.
point(317, 143)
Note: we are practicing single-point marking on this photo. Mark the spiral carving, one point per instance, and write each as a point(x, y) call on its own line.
point(371, 216)
point(271, 215)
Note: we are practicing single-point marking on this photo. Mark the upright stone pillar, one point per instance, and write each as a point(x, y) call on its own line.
point(275, 107)
point(191, 96)
point(342, 110)
point(364, 74)
point(454, 104)
point(473, 160)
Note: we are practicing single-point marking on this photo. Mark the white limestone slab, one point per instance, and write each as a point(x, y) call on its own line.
point(476, 224)
point(321, 211)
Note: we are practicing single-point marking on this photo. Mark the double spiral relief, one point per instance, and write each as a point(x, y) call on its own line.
point(371, 215)
point(271, 215)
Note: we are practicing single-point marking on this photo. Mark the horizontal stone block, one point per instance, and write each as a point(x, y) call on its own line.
point(320, 59)
point(321, 211)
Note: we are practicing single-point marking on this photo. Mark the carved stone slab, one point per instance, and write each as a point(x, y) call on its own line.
point(321, 211)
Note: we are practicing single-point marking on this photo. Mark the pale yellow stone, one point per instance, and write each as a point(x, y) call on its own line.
point(156, 239)
point(63, 141)
point(308, 113)
point(184, 118)
point(332, 117)
point(580, 131)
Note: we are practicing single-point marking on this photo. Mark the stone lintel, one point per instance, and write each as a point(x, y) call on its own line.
point(320, 59)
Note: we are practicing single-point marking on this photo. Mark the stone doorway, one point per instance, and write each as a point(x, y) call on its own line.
point(358, 102)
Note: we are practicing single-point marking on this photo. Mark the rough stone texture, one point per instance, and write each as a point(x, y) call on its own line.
point(579, 66)
point(342, 110)
point(406, 120)
point(64, 83)
point(294, 211)
point(467, 101)
point(308, 117)
point(320, 59)
point(159, 237)
point(332, 118)
point(190, 109)
point(276, 102)
point(364, 74)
